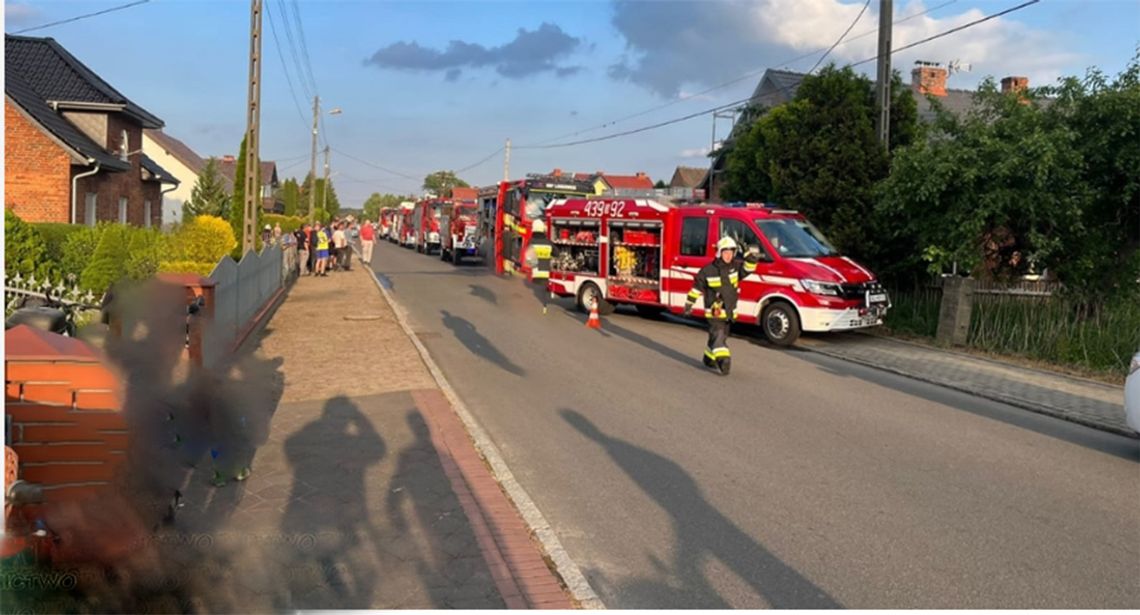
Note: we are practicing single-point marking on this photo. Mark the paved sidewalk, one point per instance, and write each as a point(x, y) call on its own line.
point(1074, 399)
point(366, 493)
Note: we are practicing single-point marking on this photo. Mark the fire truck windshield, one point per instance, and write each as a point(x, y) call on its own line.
point(536, 202)
point(796, 238)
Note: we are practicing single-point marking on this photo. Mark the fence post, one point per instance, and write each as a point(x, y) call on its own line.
point(954, 314)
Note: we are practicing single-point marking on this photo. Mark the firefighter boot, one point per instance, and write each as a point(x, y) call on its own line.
point(724, 364)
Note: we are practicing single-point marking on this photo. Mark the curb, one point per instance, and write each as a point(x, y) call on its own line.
point(576, 583)
point(1012, 401)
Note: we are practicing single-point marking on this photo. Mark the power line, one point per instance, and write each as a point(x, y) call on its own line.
point(304, 45)
point(481, 161)
point(284, 66)
point(72, 19)
point(374, 165)
point(297, 66)
point(752, 98)
point(735, 80)
point(841, 37)
point(952, 31)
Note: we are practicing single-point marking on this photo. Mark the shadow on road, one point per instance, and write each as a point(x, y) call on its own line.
point(701, 532)
point(330, 457)
point(649, 344)
point(478, 345)
point(484, 293)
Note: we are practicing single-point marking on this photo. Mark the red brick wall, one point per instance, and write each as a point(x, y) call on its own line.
point(37, 171)
point(110, 186)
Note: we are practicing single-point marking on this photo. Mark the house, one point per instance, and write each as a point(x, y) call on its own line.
point(181, 161)
point(270, 203)
point(687, 183)
point(623, 185)
point(777, 87)
point(73, 143)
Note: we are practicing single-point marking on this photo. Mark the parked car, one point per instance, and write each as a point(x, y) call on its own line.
point(1132, 394)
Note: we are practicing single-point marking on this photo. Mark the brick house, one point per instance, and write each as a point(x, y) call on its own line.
point(73, 144)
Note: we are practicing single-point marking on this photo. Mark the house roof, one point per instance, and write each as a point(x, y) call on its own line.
point(57, 76)
point(228, 169)
point(688, 177)
point(179, 150)
point(25, 97)
point(157, 172)
point(467, 194)
point(627, 181)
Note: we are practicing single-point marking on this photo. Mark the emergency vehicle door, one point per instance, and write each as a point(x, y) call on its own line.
point(692, 247)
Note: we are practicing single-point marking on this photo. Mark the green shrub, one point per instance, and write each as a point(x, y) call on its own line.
point(288, 223)
point(108, 264)
point(24, 250)
point(145, 250)
point(203, 269)
point(79, 248)
point(205, 239)
point(55, 235)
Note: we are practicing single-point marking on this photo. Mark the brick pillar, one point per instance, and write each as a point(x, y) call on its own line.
point(957, 305)
point(196, 286)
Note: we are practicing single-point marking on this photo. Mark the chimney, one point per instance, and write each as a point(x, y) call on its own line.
point(928, 78)
point(641, 173)
point(227, 158)
point(1014, 84)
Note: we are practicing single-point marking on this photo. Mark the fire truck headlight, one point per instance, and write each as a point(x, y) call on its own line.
point(821, 288)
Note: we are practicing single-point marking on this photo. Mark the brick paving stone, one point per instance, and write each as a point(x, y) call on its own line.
point(1075, 399)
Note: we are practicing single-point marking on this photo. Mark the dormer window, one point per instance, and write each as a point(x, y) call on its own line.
point(123, 146)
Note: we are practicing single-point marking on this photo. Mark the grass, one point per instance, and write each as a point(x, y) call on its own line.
point(1099, 339)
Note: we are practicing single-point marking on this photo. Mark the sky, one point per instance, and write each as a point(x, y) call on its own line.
point(429, 85)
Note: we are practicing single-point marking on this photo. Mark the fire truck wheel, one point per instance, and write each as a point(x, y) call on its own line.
point(780, 323)
point(588, 293)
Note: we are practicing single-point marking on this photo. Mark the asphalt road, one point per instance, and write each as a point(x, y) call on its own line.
point(799, 481)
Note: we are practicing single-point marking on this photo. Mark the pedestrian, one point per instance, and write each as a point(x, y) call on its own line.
point(367, 238)
point(302, 235)
point(340, 244)
point(718, 282)
point(266, 233)
point(538, 257)
point(277, 232)
point(322, 241)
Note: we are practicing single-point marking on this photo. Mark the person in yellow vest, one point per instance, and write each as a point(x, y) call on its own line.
point(538, 258)
point(322, 250)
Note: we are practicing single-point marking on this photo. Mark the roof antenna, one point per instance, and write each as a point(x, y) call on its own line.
point(957, 66)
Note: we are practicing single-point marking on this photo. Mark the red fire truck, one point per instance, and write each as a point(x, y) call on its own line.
point(519, 204)
point(642, 253)
point(385, 223)
point(461, 231)
point(406, 231)
point(427, 218)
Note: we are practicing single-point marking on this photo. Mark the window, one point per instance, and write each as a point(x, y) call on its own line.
point(694, 236)
point(89, 203)
point(123, 146)
point(796, 238)
point(740, 232)
point(146, 214)
point(122, 210)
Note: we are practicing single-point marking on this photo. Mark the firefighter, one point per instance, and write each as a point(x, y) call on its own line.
point(718, 282)
point(538, 258)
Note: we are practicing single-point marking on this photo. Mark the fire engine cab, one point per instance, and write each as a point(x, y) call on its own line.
point(460, 224)
point(427, 223)
point(406, 227)
point(522, 202)
point(646, 254)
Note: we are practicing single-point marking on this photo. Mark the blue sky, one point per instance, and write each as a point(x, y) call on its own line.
point(432, 84)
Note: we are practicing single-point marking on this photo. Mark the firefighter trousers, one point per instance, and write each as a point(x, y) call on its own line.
point(717, 353)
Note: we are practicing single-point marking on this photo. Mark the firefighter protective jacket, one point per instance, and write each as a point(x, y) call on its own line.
point(543, 250)
point(717, 283)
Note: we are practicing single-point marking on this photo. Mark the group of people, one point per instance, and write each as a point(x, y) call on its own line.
point(323, 248)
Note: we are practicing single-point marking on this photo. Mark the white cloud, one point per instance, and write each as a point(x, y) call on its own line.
point(752, 34)
point(18, 14)
point(695, 152)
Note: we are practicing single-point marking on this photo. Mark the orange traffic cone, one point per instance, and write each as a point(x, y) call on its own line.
point(594, 322)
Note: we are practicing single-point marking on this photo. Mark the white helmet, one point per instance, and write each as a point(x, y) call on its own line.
point(538, 227)
point(726, 243)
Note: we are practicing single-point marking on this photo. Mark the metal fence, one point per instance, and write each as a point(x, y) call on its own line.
point(242, 290)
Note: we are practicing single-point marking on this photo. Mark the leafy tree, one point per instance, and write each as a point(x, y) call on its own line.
point(144, 253)
point(108, 264)
point(291, 195)
point(820, 154)
point(440, 182)
point(660, 184)
point(237, 204)
point(205, 239)
point(208, 198)
point(331, 205)
point(377, 201)
point(995, 191)
point(24, 249)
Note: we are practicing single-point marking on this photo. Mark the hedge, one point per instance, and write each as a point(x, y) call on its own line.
point(25, 252)
point(55, 235)
point(288, 223)
point(203, 269)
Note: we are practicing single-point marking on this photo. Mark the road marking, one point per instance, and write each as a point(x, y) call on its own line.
point(571, 574)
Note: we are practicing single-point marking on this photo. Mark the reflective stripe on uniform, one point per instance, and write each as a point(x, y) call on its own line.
point(714, 282)
point(694, 295)
point(720, 353)
point(709, 354)
point(749, 267)
point(539, 275)
point(542, 251)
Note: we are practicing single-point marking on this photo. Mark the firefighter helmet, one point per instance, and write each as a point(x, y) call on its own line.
point(726, 243)
point(538, 227)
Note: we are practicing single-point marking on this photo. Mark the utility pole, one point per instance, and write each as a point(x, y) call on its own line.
point(313, 165)
point(325, 192)
point(507, 163)
point(883, 83)
point(252, 128)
